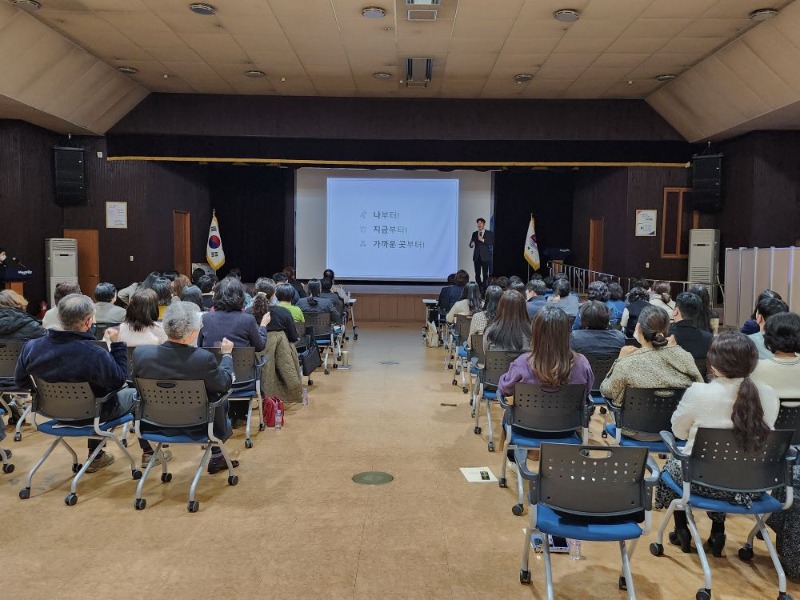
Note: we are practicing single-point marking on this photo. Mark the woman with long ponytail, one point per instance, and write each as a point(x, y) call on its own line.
point(732, 400)
point(315, 303)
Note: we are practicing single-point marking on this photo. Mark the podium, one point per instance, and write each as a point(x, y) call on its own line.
point(13, 276)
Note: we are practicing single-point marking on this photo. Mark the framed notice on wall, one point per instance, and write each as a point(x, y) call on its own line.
point(646, 223)
point(116, 215)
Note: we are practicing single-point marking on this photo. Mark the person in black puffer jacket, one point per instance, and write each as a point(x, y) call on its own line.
point(16, 325)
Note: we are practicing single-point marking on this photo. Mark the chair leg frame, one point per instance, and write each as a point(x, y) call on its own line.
point(45, 456)
point(773, 554)
point(626, 567)
point(698, 543)
point(150, 464)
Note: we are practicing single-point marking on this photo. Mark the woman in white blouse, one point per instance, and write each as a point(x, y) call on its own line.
point(140, 327)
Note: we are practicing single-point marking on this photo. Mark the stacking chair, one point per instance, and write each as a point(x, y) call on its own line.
point(100, 329)
point(9, 353)
point(66, 403)
point(462, 352)
point(324, 337)
point(601, 365)
point(476, 367)
point(646, 411)
point(539, 413)
point(5, 455)
point(702, 366)
point(247, 369)
point(610, 501)
point(496, 364)
point(177, 412)
point(719, 463)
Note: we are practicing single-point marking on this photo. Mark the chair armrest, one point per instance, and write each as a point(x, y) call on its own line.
point(502, 400)
point(651, 481)
point(99, 401)
point(521, 458)
point(669, 440)
point(588, 411)
point(616, 411)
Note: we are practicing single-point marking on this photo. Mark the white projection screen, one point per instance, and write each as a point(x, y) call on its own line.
point(370, 225)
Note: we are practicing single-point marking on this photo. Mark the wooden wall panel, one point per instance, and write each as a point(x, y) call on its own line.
point(391, 308)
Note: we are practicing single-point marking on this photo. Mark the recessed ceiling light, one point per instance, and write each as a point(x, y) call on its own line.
point(666, 76)
point(128, 70)
point(27, 4)
point(205, 10)
point(567, 15)
point(373, 12)
point(255, 73)
point(382, 75)
point(762, 14)
point(523, 77)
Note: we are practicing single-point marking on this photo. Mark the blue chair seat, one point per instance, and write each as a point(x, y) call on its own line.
point(490, 394)
point(653, 446)
point(554, 523)
point(598, 399)
point(523, 441)
point(463, 352)
point(475, 371)
point(767, 504)
point(53, 427)
point(244, 389)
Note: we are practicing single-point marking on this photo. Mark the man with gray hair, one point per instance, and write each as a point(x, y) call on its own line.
point(178, 359)
point(70, 355)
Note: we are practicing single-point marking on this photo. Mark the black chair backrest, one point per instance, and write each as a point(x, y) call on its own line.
point(172, 403)
point(100, 343)
point(650, 410)
point(244, 362)
point(64, 401)
point(718, 462)
point(476, 345)
point(592, 480)
point(497, 363)
point(789, 417)
point(462, 326)
point(631, 341)
point(702, 366)
point(601, 365)
point(549, 409)
point(9, 353)
point(321, 322)
point(130, 350)
point(300, 327)
point(100, 329)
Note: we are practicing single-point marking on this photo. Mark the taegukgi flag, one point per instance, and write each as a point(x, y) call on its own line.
point(215, 255)
point(531, 252)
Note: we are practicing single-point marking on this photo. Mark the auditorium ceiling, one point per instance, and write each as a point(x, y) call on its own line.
point(479, 49)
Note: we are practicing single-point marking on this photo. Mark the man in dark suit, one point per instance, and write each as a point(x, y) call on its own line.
point(178, 359)
point(535, 291)
point(687, 335)
point(482, 242)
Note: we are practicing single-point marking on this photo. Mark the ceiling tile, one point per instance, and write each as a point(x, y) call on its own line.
point(660, 28)
point(480, 10)
point(530, 46)
point(635, 45)
point(484, 29)
point(715, 28)
point(677, 9)
point(215, 47)
point(628, 61)
point(572, 44)
point(492, 46)
point(700, 46)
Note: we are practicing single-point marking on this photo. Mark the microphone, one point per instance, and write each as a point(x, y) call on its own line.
point(16, 260)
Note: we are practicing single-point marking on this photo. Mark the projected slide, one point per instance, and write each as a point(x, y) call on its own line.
point(392, 229)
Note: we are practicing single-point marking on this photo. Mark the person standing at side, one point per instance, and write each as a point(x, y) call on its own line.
point(482, 242)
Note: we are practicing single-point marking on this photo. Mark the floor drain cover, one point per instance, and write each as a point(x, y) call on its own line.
point(389, 362)
point(372, 478)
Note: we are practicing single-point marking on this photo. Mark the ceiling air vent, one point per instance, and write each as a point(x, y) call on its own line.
point(422, 15)
point(418, 72)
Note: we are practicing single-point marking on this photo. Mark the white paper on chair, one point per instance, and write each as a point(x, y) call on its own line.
point(478, 474)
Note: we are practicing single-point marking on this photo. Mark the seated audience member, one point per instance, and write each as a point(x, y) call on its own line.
point(237, 273)
point(615, 303)
point(502, 282)
point(192, 293)
point(163, 289)
point(63, 289)
point(16, 324)
point(206, 285)
point(708, 318)
point(327, 292)
point(337, 288)
point(662, 298)
point(781, 371)
point(282, 319)
point(687, 334)
point(180, 283)
point(595, 337)
point(511, 329)
point(638, 299)
point(483, 317)
point(70, 355)
point(290, 278)
point(657, 364)
point(732, 400)
point(105, 312)
point(469, 303)
point(140, 326)
point(764, 310)
point(451, 294)
point(563, 298)
point(751, 326)
point(597, 290)
point(535, 294)
point(147, 284)
point(196, 275)
point(313, 303)
point(516, 284)
point(263, 285)
point(281, 277)
point(285, 293)
point(178, 359)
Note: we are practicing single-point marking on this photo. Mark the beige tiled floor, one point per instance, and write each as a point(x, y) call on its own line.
point(297, 527)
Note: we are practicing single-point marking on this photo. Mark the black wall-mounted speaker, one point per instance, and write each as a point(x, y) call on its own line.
point(707, 193)
point(70, 176)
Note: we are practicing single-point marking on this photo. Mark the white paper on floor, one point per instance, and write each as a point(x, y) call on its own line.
point(478, 474)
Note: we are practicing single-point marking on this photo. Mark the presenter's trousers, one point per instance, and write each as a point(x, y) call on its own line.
point(481, 273)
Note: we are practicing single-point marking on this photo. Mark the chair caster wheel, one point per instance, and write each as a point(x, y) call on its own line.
point(355, 336)
point(136, 474)
point(465, 390)
point(9, 468)
point(454, 382)
point(139, 503)
point(310, 381)
point(603, 410)
point(248, 443)
point(335, 366)
point(604, 435)
point(476, 430)
point(525, 577)
point(233, 479)
point(656, 549)
point(262, 426)
point(193, 506)
point(327, 372)
point(71, 499)
point(24, 493)
point(17, 437)
point(76, 467)
point(703, 594)
point(449, 366)
point(517, 510)
point(472, 414)
point(622, 584)
point(746, 553)
point(502, 482)
point(784, 596)
point(491, 446)
point(166, 477)
point(125, 443)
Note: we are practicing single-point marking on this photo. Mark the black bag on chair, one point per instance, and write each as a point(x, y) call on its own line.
point(308, 354)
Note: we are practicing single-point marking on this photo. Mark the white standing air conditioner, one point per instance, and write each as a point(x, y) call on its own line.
point(703, 255)
point(62, 263)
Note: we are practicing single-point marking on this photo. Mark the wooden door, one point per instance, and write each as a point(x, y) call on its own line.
point(182, 242)
point(88, 258)
point(596, 244)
